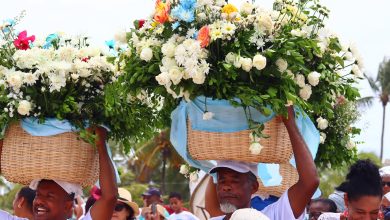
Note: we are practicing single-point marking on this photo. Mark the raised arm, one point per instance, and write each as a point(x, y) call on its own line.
point(300, 194)
point(104, 207)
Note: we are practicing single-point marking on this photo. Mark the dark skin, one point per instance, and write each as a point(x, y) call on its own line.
point(235, 188)
point(21, 207)
point(316, 209)
point(53, 203)
point(299, 194)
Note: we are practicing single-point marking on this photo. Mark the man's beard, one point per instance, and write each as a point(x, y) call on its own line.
point(227, 208)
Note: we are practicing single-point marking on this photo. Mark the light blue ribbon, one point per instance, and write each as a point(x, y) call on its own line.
point(52, 127)
point(232, 119)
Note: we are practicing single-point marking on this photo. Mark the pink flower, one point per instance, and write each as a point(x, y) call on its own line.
point(204, 37)
point(23, 42)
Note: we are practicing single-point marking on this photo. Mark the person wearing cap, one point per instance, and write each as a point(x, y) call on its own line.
point(385, 175)
point(125, 208)
point(153, 196)
point(54, 198)
point(237, 182)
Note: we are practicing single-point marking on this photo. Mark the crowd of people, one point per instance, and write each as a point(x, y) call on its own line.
point(363, 195)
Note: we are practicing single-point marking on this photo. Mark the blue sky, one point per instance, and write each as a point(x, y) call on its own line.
point(363, 22)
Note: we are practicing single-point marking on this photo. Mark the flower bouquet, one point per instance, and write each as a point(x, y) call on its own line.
point(55, 89)
point(252, 57)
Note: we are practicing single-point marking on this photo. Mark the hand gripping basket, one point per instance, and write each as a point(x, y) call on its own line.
point(204, 145)
point(61, 157)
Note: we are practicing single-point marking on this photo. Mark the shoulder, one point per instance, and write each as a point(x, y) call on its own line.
point(6, 216)
point(330, 216)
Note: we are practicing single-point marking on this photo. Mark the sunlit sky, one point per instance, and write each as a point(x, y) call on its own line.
point(363, 22)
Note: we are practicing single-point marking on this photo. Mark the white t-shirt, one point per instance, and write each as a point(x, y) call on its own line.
point(280, 210)
point(184, 215)
point(87, 216)
point(7, 216)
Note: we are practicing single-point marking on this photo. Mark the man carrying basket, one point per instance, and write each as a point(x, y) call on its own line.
point(237, 182)
point(54, 199)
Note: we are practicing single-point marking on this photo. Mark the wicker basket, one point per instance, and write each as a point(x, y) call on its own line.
point(61, 157)
point(204, 145)
point(290, 177)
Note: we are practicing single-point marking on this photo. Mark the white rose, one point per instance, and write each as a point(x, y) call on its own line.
point(121, 37)
point(351, 144)
point(305, 92)
point(199, 78)
point(322, 137)
point(356, 71)
point(14, 79)
point(259, 62)
point(168, 49)
point(208, 116)
point(237, 62)
point(314, 78)
point(282, 65)
point(163, 78)
point(322, 123)
point(175, 75)
point(246, 64)
point(146, 54)
point(24, 107)
point(184, 169)
point(230, 58)
point(194, 177)
point(265, 21)
point(74, 76)
point(300, 80)
point(246, 8)
point(255, 148)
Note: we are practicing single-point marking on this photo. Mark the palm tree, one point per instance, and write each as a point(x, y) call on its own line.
point(156, 154)
point(381, 88)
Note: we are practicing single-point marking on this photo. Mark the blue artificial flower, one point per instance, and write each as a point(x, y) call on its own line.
point(183, 14)
point(110, 44)
point(49, 40)
point(175, 25)
point(11, 23)
point(188, 4)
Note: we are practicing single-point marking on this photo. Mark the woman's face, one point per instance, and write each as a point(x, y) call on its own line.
point(121, 211)
point(364, 208)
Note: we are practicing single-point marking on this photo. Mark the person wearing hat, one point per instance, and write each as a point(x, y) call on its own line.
point(125, 208)
point(54, 198)
point(385, 175)
point(237, 182)
point(153, 196)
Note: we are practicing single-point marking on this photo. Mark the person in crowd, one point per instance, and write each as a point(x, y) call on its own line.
point(23, 203)
point(153, 196)
point(385, 206)
point(54, 199)
point(363, 193)
point(338, 197)
point(385, 175)
point(154, 212)
point(176, 204)
point(319, 206)
point(237, 182)
point(125, 208)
